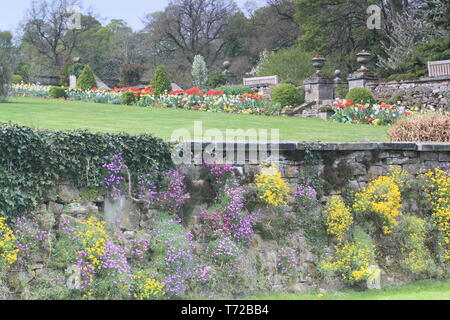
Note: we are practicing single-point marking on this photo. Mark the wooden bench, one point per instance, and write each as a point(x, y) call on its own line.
point(438, 68)
point(261, 82)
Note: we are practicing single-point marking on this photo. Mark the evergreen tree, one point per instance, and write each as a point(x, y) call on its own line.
point(200, 72)
point(6, 62)
point(86, 81)
point(160, 81)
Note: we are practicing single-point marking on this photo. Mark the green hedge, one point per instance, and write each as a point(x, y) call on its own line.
point(58, 92)
point(32, 161)
point(235, 90)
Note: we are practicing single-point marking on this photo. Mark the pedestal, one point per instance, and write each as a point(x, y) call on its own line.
point(361, 80)
point(320, 89)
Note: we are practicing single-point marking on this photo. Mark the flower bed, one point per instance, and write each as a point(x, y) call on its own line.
point(192, 99)
point(377, 114)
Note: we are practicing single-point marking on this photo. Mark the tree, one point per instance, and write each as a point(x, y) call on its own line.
point(290, 64)
point(415, 27)
point(6, 63)
point(130, 74)
point(216, 79)
point(199, 72)
point(160, 81)
point(86, 81)
point(46, 30)
point(337, 29)
point(194, 27)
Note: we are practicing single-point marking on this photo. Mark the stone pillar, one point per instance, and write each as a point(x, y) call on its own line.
point(363, 76)
point(319, 88)
point(73, 81)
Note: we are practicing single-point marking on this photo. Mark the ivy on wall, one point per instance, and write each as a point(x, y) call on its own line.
point(32, 161)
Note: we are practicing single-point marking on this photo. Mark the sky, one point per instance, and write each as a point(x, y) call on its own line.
point(132, 11)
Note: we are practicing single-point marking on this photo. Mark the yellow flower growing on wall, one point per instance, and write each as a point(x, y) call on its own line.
point(147, 288)
point(271, 186)
point(436, 185)
point(381, 197)
point(338, 218)
point(352, 260)
point(8, 251)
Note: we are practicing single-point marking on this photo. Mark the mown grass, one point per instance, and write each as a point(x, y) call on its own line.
point(72, 115)
point(421, 290)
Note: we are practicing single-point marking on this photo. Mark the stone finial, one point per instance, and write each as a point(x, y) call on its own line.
point(231, 77)
point(226, 65)
point(363, 58)
point(318, 63)
point(337, 73)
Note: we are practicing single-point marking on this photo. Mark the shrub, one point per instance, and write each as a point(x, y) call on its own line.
point(216, 79)
point(382, 198)
point(435, 185)
point(360, 95)
point(199, 72)
point(57, 92)
point(8, 250)
point(16, 79)
point(415, 256)
point(172, 255)
point(235, 90)
point(352, 259)
point(338, 218)
point(86, 81)
point(130, 74)
point(31, 156)
point(160, 81)
point(425, 128)
point(286, 95)
point(290, 63)
point(76, 69)
point(271, 187)
point(129, 98)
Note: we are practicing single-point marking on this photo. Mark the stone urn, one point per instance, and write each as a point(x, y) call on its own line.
point(231, 77)
point(363, 58)
point(318, 63)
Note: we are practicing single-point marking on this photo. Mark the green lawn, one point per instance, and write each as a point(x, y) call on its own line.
point(70, 115)
point(421, 290)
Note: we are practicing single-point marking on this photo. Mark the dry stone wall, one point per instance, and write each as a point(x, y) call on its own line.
point(340, 166)
point(426, 93)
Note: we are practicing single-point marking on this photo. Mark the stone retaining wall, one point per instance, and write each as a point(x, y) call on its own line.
point(341, 167)
point(425, 93)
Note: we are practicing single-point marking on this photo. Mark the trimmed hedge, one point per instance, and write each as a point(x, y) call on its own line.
point(235, 90)
point(34, 160)
point(57, 92)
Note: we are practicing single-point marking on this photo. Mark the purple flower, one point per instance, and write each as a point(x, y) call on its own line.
point(115, 176)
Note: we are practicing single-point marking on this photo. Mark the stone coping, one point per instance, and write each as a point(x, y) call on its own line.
point(420, 80)
point(331, 146)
